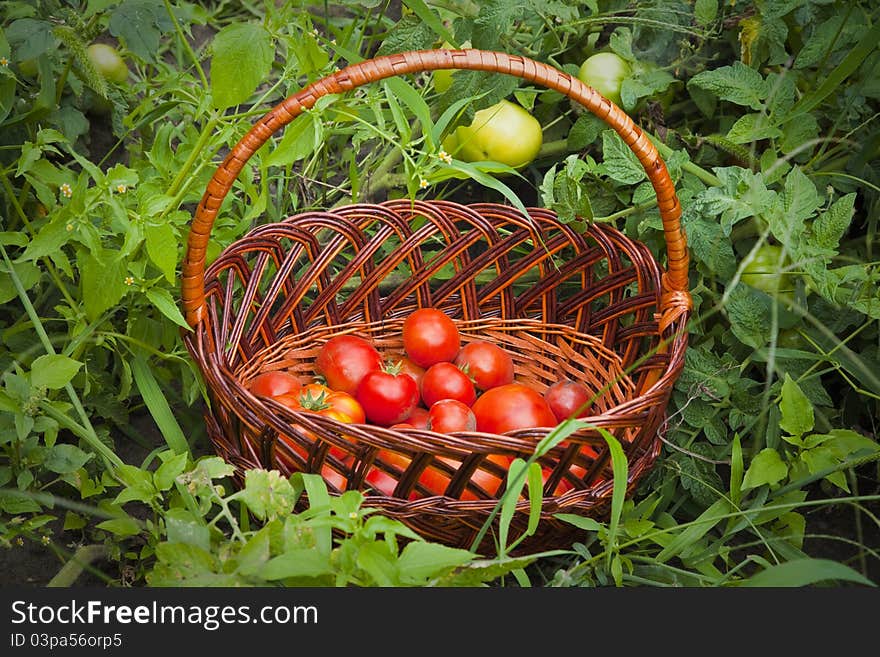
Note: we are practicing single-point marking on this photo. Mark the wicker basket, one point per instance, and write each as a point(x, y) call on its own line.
point(594, 306)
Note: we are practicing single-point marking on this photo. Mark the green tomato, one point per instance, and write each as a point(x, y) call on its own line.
point(504, 132)
point(605, 72)
point(108, 62)
point(766, 271)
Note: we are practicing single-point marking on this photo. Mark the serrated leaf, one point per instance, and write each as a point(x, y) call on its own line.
point(242, 58)
point(267, 494)
point(166, 473)
point(831, 225)
point(103, 282)
point(736, 83)
point(64, 459)
point(709, 244)
point(53, 371)
point(766, 468)
point(50, 239)
point(618, 161)
point(139, 24)
point(585, 131)
point(752, 127)
point(705, 11)
point(750, 314)
point(28, 275)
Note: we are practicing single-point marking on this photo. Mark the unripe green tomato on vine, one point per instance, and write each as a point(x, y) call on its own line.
point(605, 72)
point(766, 271)
point(504, 132)
point(108, 62)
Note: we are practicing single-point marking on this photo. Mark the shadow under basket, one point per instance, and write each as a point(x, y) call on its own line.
point(593, 306)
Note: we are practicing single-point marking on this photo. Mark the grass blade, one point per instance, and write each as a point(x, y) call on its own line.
point(803, 572)
point(158, 406)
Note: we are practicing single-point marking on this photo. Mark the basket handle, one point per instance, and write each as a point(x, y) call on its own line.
point(675, 299)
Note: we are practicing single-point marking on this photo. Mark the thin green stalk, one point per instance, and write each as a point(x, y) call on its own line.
point(88, 434)
point(50, 267)
point(186, 46)
point(185, 170)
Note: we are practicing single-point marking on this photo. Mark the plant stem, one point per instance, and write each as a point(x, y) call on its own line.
point(185, 170)
point(80, 560)
point(186, 45)
point(88, 431)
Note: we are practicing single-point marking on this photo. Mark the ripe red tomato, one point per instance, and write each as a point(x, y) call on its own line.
point(315, 398)
point(445, 381)
point(430, 336)
point(510, 407)
point(387, 396)
point(407, 366)
point(448, 415)
point(418, 418)
point(567, 399)
point(272, 384)
point(486, 363)
point(344, 360)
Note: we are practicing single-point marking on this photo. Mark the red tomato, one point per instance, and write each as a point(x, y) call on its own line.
point(448, 415)
point(344, 360)
point(430, 336)
point(446, 381)
point(510, 407)
point(407, 366)
point(486, 363)
point(272, 384)
point(387, 396)
point(314, 398)
point(418, 418)
point(567, 399)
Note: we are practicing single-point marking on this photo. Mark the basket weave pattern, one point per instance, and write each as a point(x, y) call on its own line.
point(595, 307)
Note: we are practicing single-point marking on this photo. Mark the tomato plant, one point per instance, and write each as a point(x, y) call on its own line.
point(486, 363)
point(449, 415)
point(510, 407)
point(567, 399)
point(387, 396)
point(767, 271)
point(430, 336)
point(344, 360)
point(504, 132)
point(605, 72)
point(446, 381)
point(108, 62)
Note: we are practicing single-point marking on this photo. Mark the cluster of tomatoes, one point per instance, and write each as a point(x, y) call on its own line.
point(437, 383)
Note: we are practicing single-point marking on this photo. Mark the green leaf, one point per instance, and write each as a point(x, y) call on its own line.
point(28, 275)
point(708, 243)
point(103, 282)
point(161, 298)
point(585, 131)
point(254, 555)
point(267, 494)
point(737, 84)
point(29, 37)
point(162, 248)
point(422, 561)
point(14, 502)
point(379, 562)
point(797, 411)
point(705, 11)
point(581, 522)
point(242, 58)
point(300, 562)
point(644, 84)
point(120, 527)
point(618, 161)
point(139, 25)
point(749, 312)
point(182, 526)
point(766, 468)
point(832, 225)
point(53, 371)
point(166, 473)
point(803, 572)
point(138, 485)
point(752, 127)
point(158, 405)
point(302, 137)
point(65, 458)
point(50, 239)
point(696, 530)
point(429, 18)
